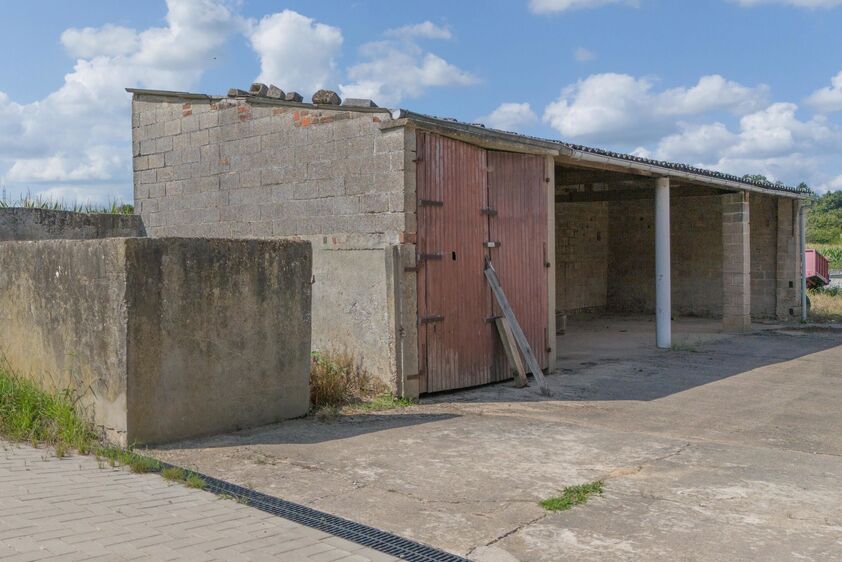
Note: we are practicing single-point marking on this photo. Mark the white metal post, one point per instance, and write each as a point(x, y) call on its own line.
point(663, 289)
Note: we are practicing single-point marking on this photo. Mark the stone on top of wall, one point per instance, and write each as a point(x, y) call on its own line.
point(326, 97)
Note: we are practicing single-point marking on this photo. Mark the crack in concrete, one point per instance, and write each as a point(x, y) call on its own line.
point(460, 501)
point(509, 533)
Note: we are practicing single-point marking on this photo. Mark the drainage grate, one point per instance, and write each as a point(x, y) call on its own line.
point(355, 532)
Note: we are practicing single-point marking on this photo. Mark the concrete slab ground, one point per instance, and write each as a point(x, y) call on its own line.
point(726, 448)
point(73, 509)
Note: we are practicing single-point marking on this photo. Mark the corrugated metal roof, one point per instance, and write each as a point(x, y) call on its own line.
point(685, 168)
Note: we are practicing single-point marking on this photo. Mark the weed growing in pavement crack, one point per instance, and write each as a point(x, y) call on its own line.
point(572, 496)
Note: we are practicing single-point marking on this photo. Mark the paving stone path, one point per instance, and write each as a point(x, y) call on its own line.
point(75, 508)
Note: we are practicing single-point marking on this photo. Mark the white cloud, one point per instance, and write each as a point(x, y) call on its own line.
point(426, 30)
point(296, 52)
point(584, 55)
point(109, 41)
point(397, 70)
point(829, 98)
point(510, 117)
point(833, 184)
point(78, 135)
point(772, 141)
point(554, 6)
point(797, 3)
point(618, 108)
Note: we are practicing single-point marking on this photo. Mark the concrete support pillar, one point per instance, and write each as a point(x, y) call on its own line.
point(663, 289)
point(736, 266)
point(788, 267)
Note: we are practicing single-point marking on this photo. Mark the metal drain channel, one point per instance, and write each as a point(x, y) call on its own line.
point(355, 532)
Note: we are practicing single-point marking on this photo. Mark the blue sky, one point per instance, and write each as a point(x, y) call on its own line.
point(744, 86)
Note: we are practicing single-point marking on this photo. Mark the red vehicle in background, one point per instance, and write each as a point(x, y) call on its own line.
point(818, 269)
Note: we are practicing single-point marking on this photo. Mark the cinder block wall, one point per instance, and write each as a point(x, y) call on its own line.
point(763, 218)
point(162, 339)
point(238, 168)
point(581, 256)
point(788, 261)
point(696, 248)
point(44, 224)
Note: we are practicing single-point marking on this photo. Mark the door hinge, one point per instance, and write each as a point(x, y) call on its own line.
point(489, 211)
point(430, 257)
point(430, 319)
point(492, 244)
point(430, 203)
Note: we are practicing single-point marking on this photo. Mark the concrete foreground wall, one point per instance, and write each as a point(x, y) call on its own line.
point(63, 315)
point(332, 176)
point(162, 338)
point(44, 224)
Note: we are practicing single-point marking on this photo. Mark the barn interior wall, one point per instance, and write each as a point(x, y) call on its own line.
point(696, 248)
point(606, 256)
point(581, 256)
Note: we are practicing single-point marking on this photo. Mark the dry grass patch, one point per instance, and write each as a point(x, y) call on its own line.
point(826, 305)
point(338, 380)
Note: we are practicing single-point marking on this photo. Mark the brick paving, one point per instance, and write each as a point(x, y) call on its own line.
point(77, 508)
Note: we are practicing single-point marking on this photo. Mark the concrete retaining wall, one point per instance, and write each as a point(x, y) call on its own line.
point(162, 338)
point(43, 224)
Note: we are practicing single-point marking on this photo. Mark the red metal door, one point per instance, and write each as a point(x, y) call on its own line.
point(456, 341)
point(475, 204)
point(518, 193)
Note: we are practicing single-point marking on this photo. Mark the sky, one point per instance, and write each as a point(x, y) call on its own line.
point(740, 86)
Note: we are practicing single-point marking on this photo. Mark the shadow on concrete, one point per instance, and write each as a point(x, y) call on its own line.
point(615, 359)
point(309, 430)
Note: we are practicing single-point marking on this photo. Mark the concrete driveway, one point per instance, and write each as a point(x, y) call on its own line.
point(728, 450)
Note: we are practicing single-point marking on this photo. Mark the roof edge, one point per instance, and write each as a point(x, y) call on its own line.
point(255, 99)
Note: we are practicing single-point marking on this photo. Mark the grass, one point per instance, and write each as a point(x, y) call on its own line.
point(30, 414)
point(28, 201)
point(27, 413)
point(572, 496)
point(338, 381)
point(826, 305)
